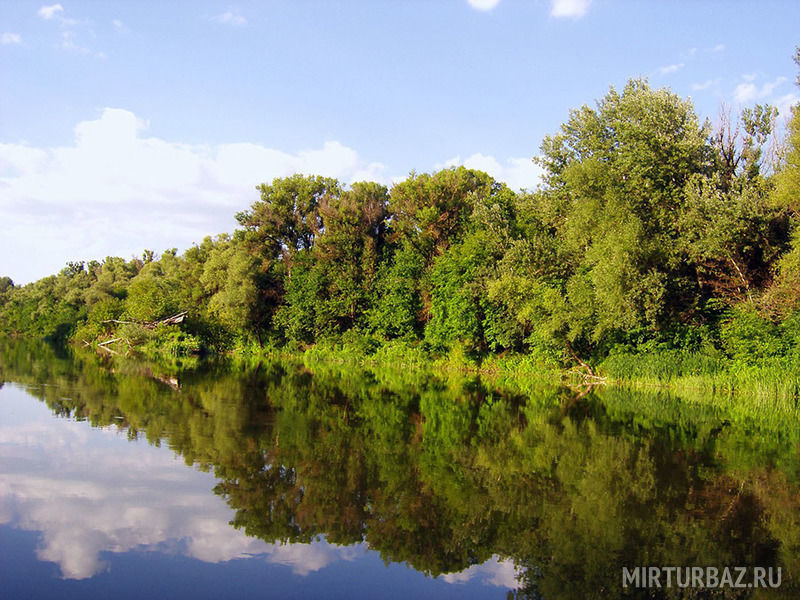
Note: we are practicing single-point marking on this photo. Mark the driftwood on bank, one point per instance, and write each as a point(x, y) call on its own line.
point(173, 320)
point(106, 345)
point(587, 373)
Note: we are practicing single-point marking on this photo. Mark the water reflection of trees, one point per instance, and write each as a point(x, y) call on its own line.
point(443, 473)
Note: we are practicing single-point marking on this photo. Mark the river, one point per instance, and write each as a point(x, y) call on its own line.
point(126, 479)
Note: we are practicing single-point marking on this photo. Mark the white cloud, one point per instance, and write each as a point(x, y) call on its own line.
point(697, 87)
point(119, 26)
point(307, 558)
point(10, 38)
point(115, 191)
point(89, 491)
point(718, 48)
point(68, 43)
point(484, 5)
point(569, 8)
point(48, 12)
point(749, 91)
point(68, 37)
point(495, 571)
point(745, 92)
point(671, 68)
point(785, 103)
point(769, 87)
point(517, 173)
point(229, 18)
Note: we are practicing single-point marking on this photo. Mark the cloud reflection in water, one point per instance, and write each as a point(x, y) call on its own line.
point(90, 491)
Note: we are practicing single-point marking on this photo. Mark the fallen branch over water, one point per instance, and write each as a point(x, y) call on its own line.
point(589, 378)
point(173, 320)
point(105, 345)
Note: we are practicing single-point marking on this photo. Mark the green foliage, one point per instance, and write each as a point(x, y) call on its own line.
point(396, 300)
point(151, 294)
point(135, 334)
point(6, 284)
point(431, 211)
point(787, 189)
point(457, 293)
point(747, 336)
point(110, 279)
point(346, 255)
point(287, 219)
point(784, 295)
point(615, 178)
point(106, 310)
point(650, 232)
point(175, 342)
point(230, 280)
point(298, 317)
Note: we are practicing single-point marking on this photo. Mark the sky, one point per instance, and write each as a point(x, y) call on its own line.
point(138, 125)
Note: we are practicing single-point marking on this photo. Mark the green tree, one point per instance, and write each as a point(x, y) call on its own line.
point(6, 284)
point(614, 179)
point(349, 250)
point(461, 309)
point(286, 219)
point(429, 214)
point(238, 296)
point(157, 289)
point(732, 236)
point(432, 211)
point(329, 286)
point(396, 307)
point(784, 296)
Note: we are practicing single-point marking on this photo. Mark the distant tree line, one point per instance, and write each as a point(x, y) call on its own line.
point(649, 227)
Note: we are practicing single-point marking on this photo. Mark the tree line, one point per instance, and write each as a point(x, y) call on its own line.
point(649, 227)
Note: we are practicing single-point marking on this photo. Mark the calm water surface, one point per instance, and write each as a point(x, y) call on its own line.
point(126, 480)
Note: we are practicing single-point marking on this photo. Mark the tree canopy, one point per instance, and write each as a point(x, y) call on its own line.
point(647, 223)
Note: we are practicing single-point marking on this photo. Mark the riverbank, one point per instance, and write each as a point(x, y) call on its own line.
point(763, 380)
point(708, 373)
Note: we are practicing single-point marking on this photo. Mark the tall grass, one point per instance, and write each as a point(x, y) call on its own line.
point(764, 381)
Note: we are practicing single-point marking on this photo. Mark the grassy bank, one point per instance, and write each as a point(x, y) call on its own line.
point(764, 381)
point(770, 379)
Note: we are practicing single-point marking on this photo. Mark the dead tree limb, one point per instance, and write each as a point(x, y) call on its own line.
point(580, 362)
point(173, 320)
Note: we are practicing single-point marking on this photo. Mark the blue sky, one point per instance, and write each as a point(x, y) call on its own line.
point(132, 125)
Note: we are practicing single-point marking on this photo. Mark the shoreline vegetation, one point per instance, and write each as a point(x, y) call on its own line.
point(659, 252)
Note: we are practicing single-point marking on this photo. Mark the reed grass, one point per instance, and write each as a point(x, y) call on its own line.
point(767, 381)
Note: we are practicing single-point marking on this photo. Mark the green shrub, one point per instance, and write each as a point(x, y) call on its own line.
point(746, 336)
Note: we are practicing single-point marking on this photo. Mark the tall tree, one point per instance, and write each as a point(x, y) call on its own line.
point(614, 178)
point(331, 284)
point(784, 297)
point(431, 211)
point(286, 219)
